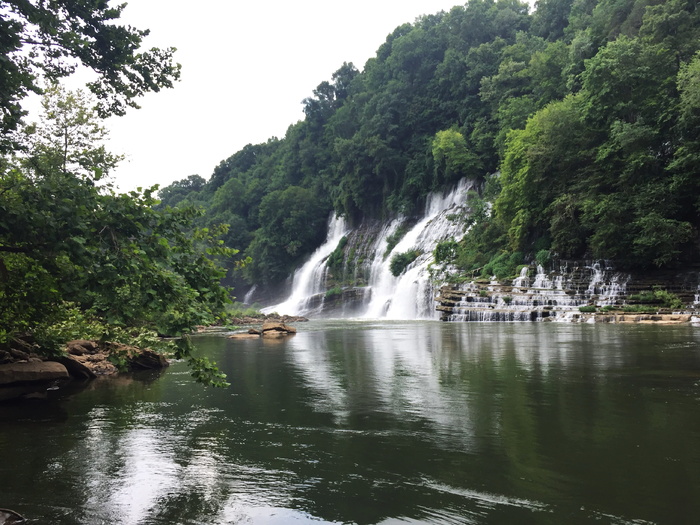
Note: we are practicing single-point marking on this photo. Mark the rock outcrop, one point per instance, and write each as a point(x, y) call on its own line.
point(270, 329)
point(32, 371)
point(22, 371)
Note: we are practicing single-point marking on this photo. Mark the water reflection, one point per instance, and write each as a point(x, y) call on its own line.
point(366, 423)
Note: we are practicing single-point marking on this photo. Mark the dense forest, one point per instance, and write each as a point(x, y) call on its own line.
point(581, 121)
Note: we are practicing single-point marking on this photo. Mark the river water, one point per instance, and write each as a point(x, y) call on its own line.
point(377, 423)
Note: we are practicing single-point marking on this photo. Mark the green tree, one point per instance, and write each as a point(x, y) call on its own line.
point(292, 225)
point(453, 160)
point(66, 240)
point(48, 40)
point(70, 139)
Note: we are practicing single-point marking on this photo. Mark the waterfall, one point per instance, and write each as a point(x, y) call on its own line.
point(523, 280)
point(308, 281)
point(367, 288)
point(411, 294)
point(250, 294)
point(408, 296)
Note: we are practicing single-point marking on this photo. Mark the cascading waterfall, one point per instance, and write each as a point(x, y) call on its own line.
point(365, 287)
point(408, 296)
point(547, 296)
point(308, 281)
point(411, 294)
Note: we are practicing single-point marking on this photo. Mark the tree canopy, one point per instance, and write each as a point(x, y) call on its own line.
point(43, 42)
point(78, 259)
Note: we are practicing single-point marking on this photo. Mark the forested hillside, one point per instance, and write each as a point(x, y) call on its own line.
point(581, 119)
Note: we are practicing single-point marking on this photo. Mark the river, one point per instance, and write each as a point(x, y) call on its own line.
point(377, 423)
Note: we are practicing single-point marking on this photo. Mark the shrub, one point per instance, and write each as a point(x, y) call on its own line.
point(664, 298)
point(639, 309)
point(587, 309)
point(336, 290)
point(393, 239)
point(543, 258)
point(400, 261)
point(335, 259)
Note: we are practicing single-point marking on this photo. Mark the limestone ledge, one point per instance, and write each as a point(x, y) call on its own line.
point(632, 318)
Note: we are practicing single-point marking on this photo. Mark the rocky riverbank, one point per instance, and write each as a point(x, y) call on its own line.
point(24, 372)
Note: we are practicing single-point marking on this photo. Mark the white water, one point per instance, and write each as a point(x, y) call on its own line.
point(408, 296)
point(551, 295)
point(411, 294)
point(309, 279)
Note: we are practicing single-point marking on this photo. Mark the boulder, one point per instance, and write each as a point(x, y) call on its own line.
point(19, 355)
point(77, 367)
point(244, 336)
point(276, 326)
point(81, 346)
point(30, 372)
point(148, 360)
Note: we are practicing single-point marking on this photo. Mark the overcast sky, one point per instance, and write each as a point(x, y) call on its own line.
point(246, 67)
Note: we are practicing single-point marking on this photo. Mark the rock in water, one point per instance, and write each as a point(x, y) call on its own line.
point(31, 372)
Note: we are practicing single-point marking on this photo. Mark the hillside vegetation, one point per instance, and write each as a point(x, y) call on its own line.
point(581, 119)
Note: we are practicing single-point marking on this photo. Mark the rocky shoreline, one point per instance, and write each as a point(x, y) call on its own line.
point(24, 373)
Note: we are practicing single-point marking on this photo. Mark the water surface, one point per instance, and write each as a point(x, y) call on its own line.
point(378, 422)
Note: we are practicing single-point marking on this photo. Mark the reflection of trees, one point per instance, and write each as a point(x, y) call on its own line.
point(538, 411)
point(425, 421)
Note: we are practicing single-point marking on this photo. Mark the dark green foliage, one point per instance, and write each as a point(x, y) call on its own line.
point(660, 297)
point(587, 309)
point(399, 261)
point(335, 259)
point(503, 265)
point(76, 258)
point(394, 239)
point(543, 257)
point(333, 292)
point(292, 225)
point(589, 109)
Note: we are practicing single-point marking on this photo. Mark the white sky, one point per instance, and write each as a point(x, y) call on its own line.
point(246, 67)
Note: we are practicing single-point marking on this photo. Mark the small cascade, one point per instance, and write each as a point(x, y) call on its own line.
point(522, 281)
point(542, 281)
point(411, 294)
point(596, 280)
point(308, 282)
point(250, 294)
point(554, 295)
point(613, 290)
